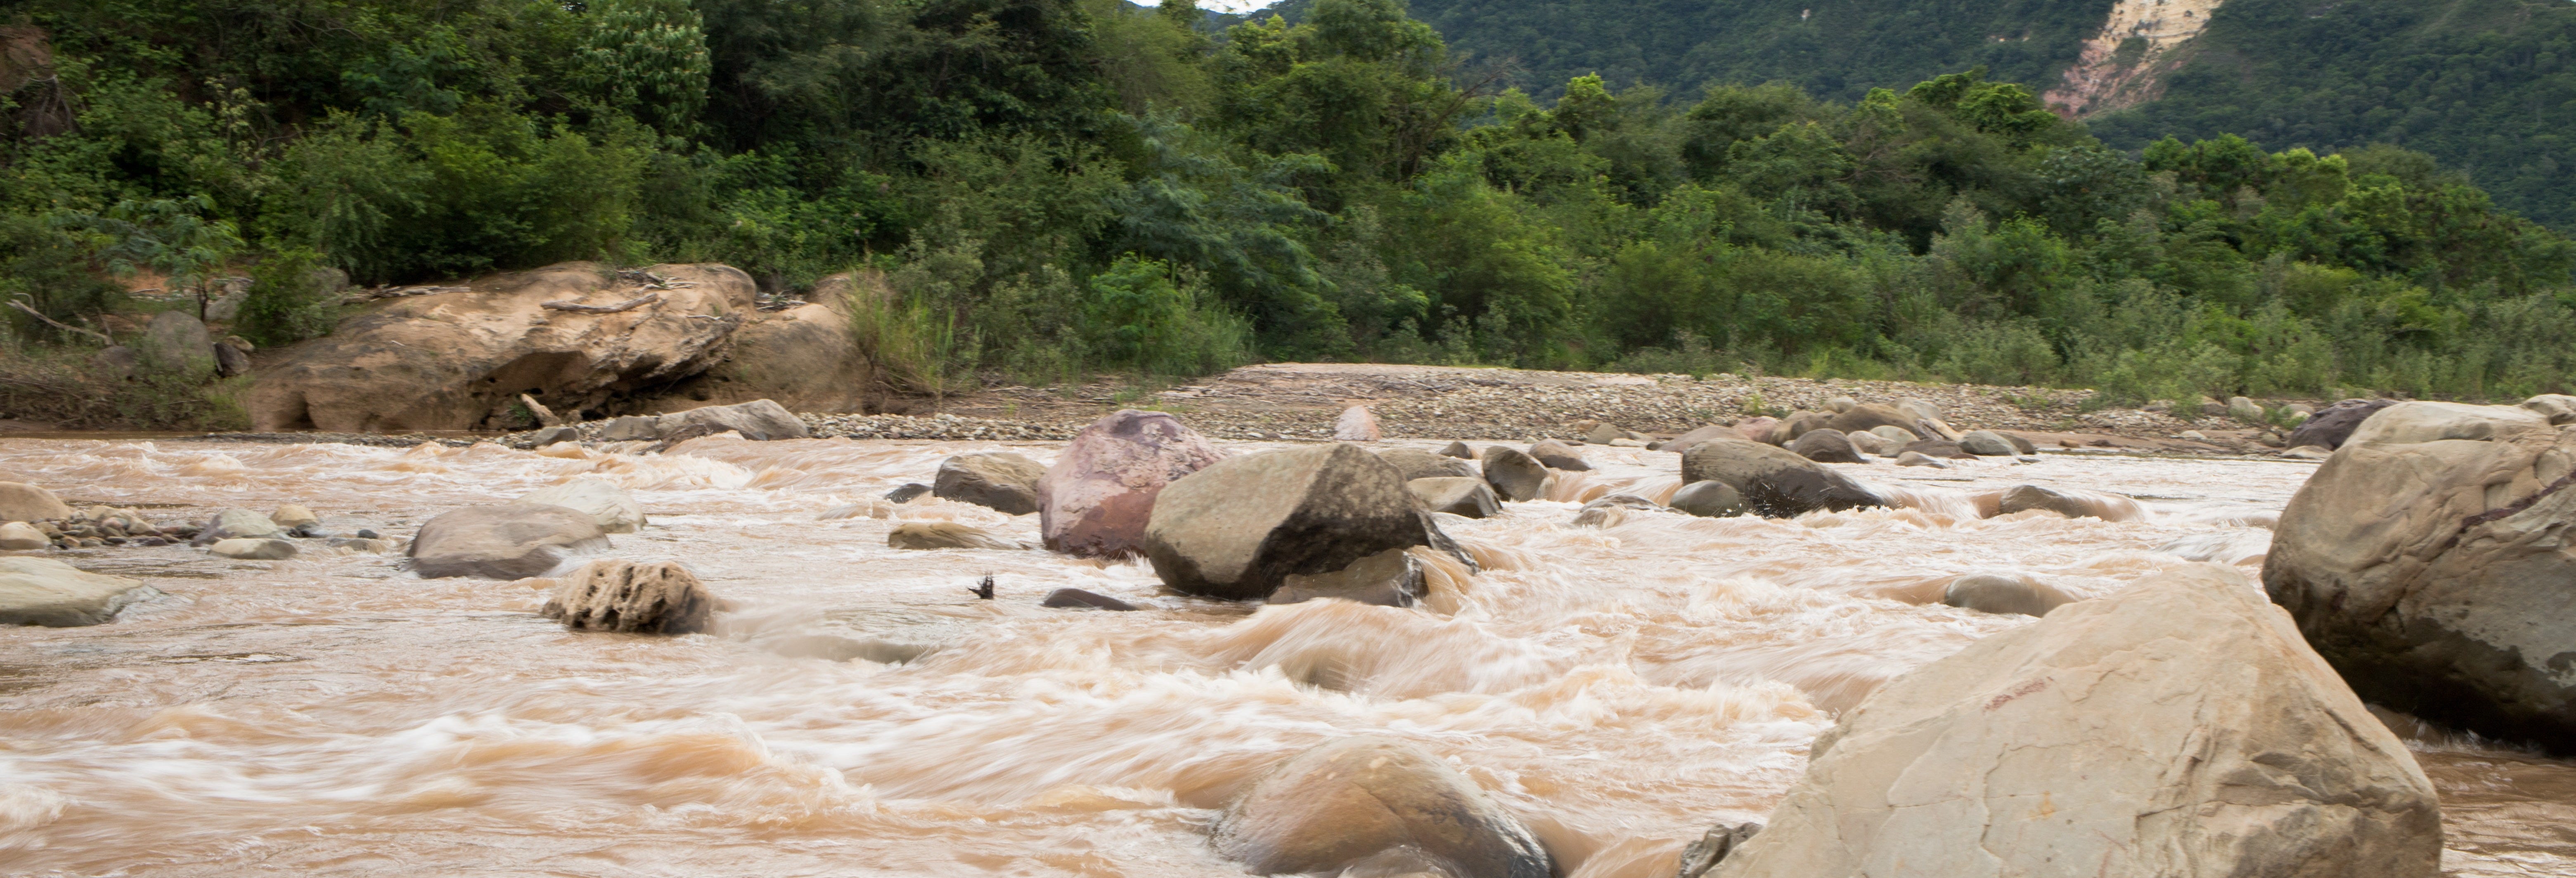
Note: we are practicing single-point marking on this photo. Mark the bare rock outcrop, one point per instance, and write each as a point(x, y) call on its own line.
point(2178, 727)
point(1371, 805)
point(459, 360)
point(1096, 499)
point(807, 357)
point(2429, 559)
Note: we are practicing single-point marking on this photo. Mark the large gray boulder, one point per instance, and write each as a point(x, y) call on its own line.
point(2177, 727)
point(2429, 560)
point(41, 591)
point(1392, 578)
point(630, 598)
point(615, 510)
point(944, 535)
point(508, 541)
point(1927, 419)
point(1826, 445)
point(1797, 424)
point(1416, 463)
point(1774, 482)
point(1987, 443)
point(24, 502)
point(1988, 593)
point(1238, 528)
point(1456, 495)
point(237, 523)
point(998, 480)
point(2330, 426)
point(758, 420)
point(1683, 442)
point(1711, 499)
point(1375, 806)
point(176, 343)
point(1558, 455)
point(1096, 499)
point(1515, 475)
point(2069, 503)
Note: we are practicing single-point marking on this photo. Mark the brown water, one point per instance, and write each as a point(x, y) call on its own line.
point(1620, 689)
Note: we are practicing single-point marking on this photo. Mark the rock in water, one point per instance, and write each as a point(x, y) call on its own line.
point(2072, 504)
point(19, 536)
point(1709, 500)
point(510, 541)
point(1917, 458)
point(906, 492)
point(615, 510)
point(254, 549)
point(2432, 569)
point(1774, 482)
point(1375, 806)
point(632, 428)
point(1927, 420)
point(239, 523)
point(1937, 448)
point(1095, 500)
point(1865, 418)
point(1866, 442)
point(1987, 443)
point(1826, 445)
point(1611, 510)
point(1899, 435)
point(39, 591)
point(1391, 578)
point(944, 535)
point(630, 598)
point(1461, 496)
point(1711, 849)
point(1558, 455)
point(554, 436)
point(1796, 425)
point(998, 480)
point(24, 502)
point(2003, 594)
point(2178, 727)
point(1684, 441)
point(1458, 450)
point(1516, 477)
point(2329, 427)
point(1604, 434)
point(757, 420)
point(1418, 464)
point(1073, 598)
point(293, 515)
point(1356, 425)
point(1238, 528)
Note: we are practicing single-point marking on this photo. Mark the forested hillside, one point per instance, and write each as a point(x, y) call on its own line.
point(1053, 187)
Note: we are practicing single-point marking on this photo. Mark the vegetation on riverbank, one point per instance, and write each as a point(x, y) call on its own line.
point(1060, 186)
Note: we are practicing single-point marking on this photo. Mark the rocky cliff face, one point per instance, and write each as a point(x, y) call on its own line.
point(2124, 65)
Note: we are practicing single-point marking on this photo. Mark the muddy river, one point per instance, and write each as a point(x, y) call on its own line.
point(1619, 689)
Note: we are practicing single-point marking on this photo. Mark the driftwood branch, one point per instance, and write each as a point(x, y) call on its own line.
point(628, 305)
point(545, 416)
point(57, 324)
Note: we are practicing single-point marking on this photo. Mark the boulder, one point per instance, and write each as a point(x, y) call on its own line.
point(1826, 445)
point(238, 523)
point(1516, 477)
point(615, 510)
point(906, 492)
point(1237, 529)
point(1558, 455)
point(632, 428)
point(2309, 452)
point(1604, 434)
point(757, 420)
point(1371, 805)
point(1757, 429)
point(1611, 510)
point(1898, 435)
point(806, 358)
point(1457, 495)
point(1917, 458)
point(1074, 598)
point(508, 541)
point(1684, 441)
point(1841, 404)
point(2245, 410)
point(2431, 568)
point(460, 360)
point(1356, 424)
point(1865, 418)
point(1458, 450)
point(19, 536)
point(1415, 463)
point(2559, 408)
point(2178, 727)
point(554, 436)
point(40, 591)
point(1796, 425)
point(1987, 443)
point(630, 598)
point(230, 361)
point(1869, 443)
point(175, 343)
point(1096, 499)
point(1927, 419)
point(293, 515)
point(2072, 504)
point(944, 535)
point(1700, 856)
point(2331, 425)
point(254, 549)
point(115, 364)
point(1940, 448)
point(999, 480)
point(1774, 482)
point(1710, 499)
point(2003, 595)
point(1391, 578)
point(20, 501)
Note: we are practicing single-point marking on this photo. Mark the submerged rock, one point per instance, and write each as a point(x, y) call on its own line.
point(2177, 727)
point(1391, 578)
point(509, 541)
point(2003, 594)
point(1467, 497)
point(1096, 499)
point(1000, 480)
point(1609, 511)
point(906, 492)
point(2429, 560)
point(1074, 598)
point(1375, 806)
point(1558, 455)
point(2072, 504)
point(607, 504)
point(1237, 529)
point(41, 591)
point(626, 597)
point(944, 535)
point(1709, 499)
point(20, 501)
point(1774, 482)
point(1516, 476)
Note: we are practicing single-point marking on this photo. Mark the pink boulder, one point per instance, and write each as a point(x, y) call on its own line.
point(1097, 498)
point(1357, 425)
